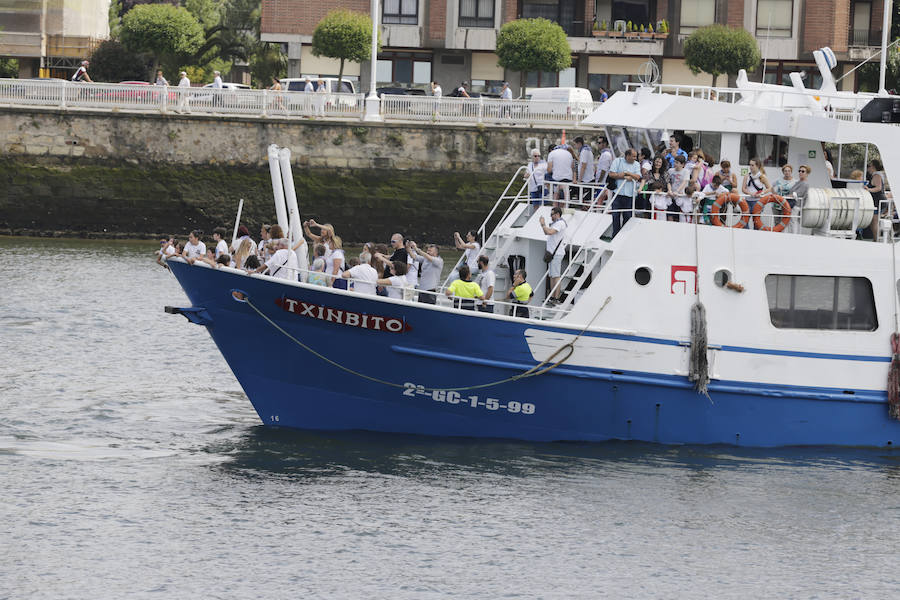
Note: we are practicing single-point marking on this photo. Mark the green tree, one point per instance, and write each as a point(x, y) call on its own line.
point(9, 68)
point(345, 35)
point(717, 50)
point(533, 45)
point(163, 30)
point(111, 61)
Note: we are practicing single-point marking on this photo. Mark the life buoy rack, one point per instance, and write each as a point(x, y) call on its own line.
point(739, 203)
point(785, 213)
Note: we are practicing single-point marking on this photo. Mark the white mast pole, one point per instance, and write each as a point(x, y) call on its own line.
point(885, 27)
point(277, 188)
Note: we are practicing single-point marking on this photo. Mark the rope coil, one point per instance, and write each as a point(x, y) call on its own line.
point(541, 368)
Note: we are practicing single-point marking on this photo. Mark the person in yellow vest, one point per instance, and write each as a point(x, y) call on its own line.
point(465, 290)
point(520, 293)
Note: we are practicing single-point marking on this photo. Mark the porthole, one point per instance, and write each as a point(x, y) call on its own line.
point(722, 277)
point(642, 275)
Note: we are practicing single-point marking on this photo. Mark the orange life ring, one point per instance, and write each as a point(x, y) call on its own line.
point(785, 213)
point(735, 199)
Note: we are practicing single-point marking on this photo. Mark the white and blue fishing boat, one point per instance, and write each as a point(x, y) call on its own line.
point(668, 331)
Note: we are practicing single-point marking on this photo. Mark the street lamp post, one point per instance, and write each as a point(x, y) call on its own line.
point(373, 104)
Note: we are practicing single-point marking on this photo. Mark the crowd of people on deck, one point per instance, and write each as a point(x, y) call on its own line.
point(401, 270)
point(670, 183)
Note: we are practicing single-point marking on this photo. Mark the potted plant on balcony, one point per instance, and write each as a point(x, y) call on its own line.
point(662, 31)
point(630, 32)
point(645, 33)
point(601, 30)
point(618, 30)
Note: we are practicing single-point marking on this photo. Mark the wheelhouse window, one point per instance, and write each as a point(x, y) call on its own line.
point(400, 12)
point(821, 302)
point(696, 14)
point(770, 149)
point(774, 18)
point(476, 13)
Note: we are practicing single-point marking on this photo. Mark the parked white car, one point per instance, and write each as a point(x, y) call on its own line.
point(201, 97)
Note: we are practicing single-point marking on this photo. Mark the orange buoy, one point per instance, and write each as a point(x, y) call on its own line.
point(785, 213)
point(738, 202)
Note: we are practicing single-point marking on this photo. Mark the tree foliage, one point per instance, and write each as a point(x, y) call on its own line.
point(345, 35)
point(113, 62)
point(533, 45)
point(717, 50)
point(9, 68)
point(163, 30)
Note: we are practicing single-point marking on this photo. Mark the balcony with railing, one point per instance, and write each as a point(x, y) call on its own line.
point(863, 43)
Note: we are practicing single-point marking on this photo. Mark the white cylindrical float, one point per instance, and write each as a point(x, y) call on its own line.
point(290, 195)
point(843, 204)
point(277, 188)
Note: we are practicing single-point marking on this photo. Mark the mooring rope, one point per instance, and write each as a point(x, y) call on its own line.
point(698, 370)
point(544, 366)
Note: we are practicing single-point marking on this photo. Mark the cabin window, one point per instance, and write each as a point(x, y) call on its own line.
point(817, 302)
point(770, 149)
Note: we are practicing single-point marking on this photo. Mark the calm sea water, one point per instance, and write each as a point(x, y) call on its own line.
point(132, 466)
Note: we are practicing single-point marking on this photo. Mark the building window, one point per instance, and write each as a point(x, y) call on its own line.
point(403, 69)
point(476, 13)
point(774, 18)
point(564, 12)
point(565, 78)
point(861, 24)
point(816, 302)
point(696, 14)
point(400, 12)
point(637, 11)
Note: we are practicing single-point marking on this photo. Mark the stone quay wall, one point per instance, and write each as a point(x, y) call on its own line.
point(103, 174)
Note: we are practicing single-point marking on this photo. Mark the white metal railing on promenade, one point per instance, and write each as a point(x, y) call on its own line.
point(266, 103)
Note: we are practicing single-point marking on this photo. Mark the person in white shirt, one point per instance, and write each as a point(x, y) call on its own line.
point(283, 264)
point(217, 85)
point(436, 90)
point(395, 284)
point(461, 90)
point(601, 168)
point(320, 98)
point(559, 168)
point(555, 233)
point(194, 249)
point(585, 167)
point(263, 240)
point(431, 266)
point(81, 74)
point(535, 171)
point(626, 170)
point(412, 266)
point(364, 275)
point(470, 248)
point(506, 96)
point(184, 84)
point(221, 244)
point(160, 80)
point(334, 264)
point(487, 283)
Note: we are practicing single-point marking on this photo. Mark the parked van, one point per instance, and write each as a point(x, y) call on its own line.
point(560, 101)
point(298, 84)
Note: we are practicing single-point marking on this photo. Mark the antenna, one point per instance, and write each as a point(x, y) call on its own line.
point(766, 50)
point(884, 40)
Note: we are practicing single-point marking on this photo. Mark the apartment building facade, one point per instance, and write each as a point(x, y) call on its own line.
point(51, 37)
point(451, 41)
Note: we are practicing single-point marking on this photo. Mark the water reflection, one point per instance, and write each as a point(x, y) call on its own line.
point(261, 450)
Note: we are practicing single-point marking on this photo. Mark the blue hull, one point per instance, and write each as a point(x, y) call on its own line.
point(291, 387)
